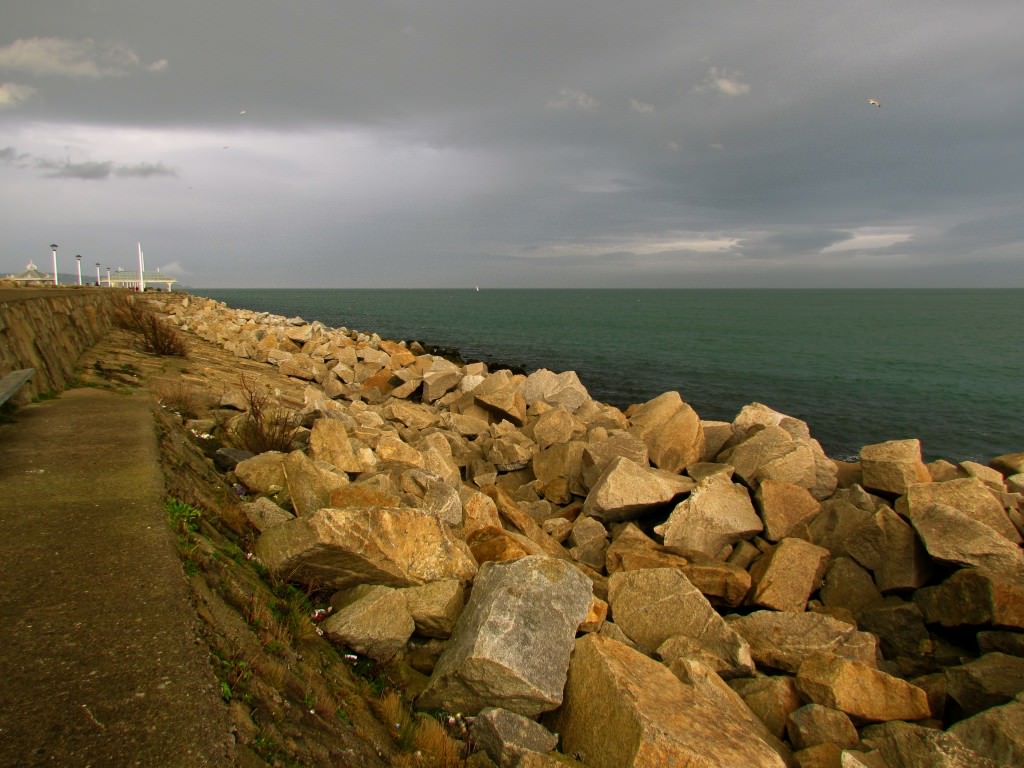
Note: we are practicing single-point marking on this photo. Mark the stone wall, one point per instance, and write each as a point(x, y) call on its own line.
point(48, 329)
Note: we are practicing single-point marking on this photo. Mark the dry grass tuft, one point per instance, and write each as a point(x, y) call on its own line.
point(179, 397)
point(158, 337)
point(265, 427)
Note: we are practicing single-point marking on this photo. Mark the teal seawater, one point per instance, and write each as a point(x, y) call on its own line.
point(859, 366)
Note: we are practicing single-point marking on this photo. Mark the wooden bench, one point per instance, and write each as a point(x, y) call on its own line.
point(13, 381)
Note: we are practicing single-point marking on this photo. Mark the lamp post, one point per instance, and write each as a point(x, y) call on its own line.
point(108, 277)
point(78, 258)
point(53, 247)
point(97, 274)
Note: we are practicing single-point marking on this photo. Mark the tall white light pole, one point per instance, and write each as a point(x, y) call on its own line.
point(108, 277)
point(98, 274)
point(53, 247)
point(78, 258)
point(142, 271)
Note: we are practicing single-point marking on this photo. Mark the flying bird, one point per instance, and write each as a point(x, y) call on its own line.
point(875, 103)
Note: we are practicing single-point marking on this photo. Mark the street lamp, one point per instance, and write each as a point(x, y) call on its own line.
point(97, 274)
point(108, 277)
point(53, 247)
point(78, 258)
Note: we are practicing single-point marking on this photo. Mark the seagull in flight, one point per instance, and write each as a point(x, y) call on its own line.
point(875, 103)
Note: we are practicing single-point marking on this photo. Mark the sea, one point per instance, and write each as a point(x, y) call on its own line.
point(859, 366)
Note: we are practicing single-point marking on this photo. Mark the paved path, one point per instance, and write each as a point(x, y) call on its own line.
point(99, 659)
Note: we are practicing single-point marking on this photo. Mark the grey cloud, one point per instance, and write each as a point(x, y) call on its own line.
point(144, 170)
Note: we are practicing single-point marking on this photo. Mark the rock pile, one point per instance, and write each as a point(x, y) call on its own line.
point(653, 588)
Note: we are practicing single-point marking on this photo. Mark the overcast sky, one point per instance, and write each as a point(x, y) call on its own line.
point(534, 143)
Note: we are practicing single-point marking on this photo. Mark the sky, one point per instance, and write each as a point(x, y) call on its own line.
point(527, 144)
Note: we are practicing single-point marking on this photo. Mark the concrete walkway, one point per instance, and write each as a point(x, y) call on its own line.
point(100, 664)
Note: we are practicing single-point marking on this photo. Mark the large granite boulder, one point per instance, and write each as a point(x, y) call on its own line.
point(262, 474)
point(863, 692)
point(341, 548)
point(309, 485)
point(598, 453)
point(989, 681)
point(785, 577)
point(507, 736)
point(655, 604)
point(625, 710)
point(329, 441)
point(436, 606)
point(717, 513)
point(887, 546)
point(893, 466)
point(969, 496)
point(784, 507)
point(671, 429)
point(916, 746)
point(626, 490)
point(558, 389)
point(375, 622)
point(782, 640)
point(511, 645)
point(952, 537)
point(974, 597)
point(997, 733)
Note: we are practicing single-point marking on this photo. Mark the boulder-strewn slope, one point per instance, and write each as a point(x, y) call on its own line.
point(657, 589)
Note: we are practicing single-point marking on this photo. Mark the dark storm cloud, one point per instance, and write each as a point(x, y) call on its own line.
point(587, 141)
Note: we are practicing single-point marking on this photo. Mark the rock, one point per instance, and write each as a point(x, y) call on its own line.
point(888, 547)
point(771, 453)
point(952, 537)
point(510, 451)
point(783, 640)
point(558, 471)
point(442, 377)
point(968, 496)
point(848, 586)
point(264, 513)
point(899, 626)
point(626, 490)
point(996, 733)
point(834, 527)
point(511, 645)
point(721, 583)
point(597, 455)
point(787, 575)
point(435, 607)
point(588, 542)
point(309, 486)
point(652, 605)
point(992, 680)
point(814, 724)
point(671, 430)
point(783, 507)
point(392, 448)
point(329, 441)
point(1009, 463)
point(824, 755)
point(340, 548)
point(1002, 641)
point(916, 746)
point(893, 466)
point(974, 597)
point(558, 389)
point(717, 513)
point(500, 395)
point(771, 698)
point(862, 692)
point(653, 719)
point(505, 736)
point(555, 426)
point(263, 473)
point(375, 624)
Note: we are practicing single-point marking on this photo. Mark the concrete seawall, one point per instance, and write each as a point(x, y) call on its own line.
point(48, 329)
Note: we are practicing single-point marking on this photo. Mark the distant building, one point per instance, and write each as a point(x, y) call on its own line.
point(32, 276)
point(125, 279)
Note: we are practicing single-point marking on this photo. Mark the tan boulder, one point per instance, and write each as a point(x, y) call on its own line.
point(652, 605)
point(264, 513)
point(556, 426)
point(1009, 463)
point(847, 586)
point(391, 447)
point(917, 746)
point(781, 640)
point(263, 473)
point(814, 724)
point(508, 737)
point(309, 485)
point(786, 576)
point(557, 469)
point(442, 377)
point(375, 623)
point(558, 389)
point(969, 496)
point(996, 733)
point(989, 681)
point(435, 607)
point(510, 450)
point(861, 691)
point(717, 513)
point(671, 429)
point(950, 536)
point(783, 507)
point(652, 719)
point(340, 548)
point(511, 645)
point(501, 395)
point(771, 697)
point(598, 453)
point(893, 466)
point(886, 545)
point(972, 597)
point(626, 490)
